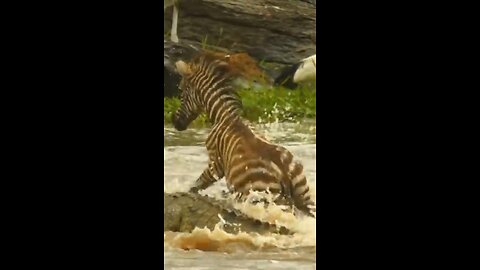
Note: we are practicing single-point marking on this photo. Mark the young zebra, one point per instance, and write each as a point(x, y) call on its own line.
point(247, 161)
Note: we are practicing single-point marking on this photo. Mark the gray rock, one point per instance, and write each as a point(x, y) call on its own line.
point(276, 32)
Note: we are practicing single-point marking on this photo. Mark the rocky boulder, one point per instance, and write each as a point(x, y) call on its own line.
point(274, 32)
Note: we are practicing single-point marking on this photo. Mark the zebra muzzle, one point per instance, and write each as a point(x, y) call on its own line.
point(178, 123)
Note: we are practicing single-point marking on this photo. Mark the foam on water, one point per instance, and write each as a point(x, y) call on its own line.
point(183, 165)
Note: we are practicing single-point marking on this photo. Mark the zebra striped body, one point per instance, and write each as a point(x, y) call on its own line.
point(247, 161)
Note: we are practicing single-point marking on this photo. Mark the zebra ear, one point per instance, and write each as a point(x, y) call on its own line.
point(182, 68)
point(222, 63)
point(224, 66)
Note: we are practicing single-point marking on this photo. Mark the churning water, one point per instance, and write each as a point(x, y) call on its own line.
point(185, 158)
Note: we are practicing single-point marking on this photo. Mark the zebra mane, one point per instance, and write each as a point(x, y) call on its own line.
point(216, 65)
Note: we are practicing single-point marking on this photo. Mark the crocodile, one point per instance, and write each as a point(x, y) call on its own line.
point(184, 211)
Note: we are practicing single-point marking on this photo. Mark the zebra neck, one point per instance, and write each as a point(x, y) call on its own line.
point(224, 108)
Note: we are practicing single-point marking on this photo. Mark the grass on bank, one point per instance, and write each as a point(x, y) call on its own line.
point(262, 106)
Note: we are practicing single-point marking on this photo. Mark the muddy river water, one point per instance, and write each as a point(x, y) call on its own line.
point(185, 158)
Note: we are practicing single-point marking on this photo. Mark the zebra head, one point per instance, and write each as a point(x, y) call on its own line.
point(189, 107)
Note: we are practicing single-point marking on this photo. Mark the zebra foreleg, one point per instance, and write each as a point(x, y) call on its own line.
point(205, 180)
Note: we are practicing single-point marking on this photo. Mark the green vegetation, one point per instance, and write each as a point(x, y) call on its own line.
point(263, 106)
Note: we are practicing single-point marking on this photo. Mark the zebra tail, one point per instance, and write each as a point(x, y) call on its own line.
point(299, 188)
